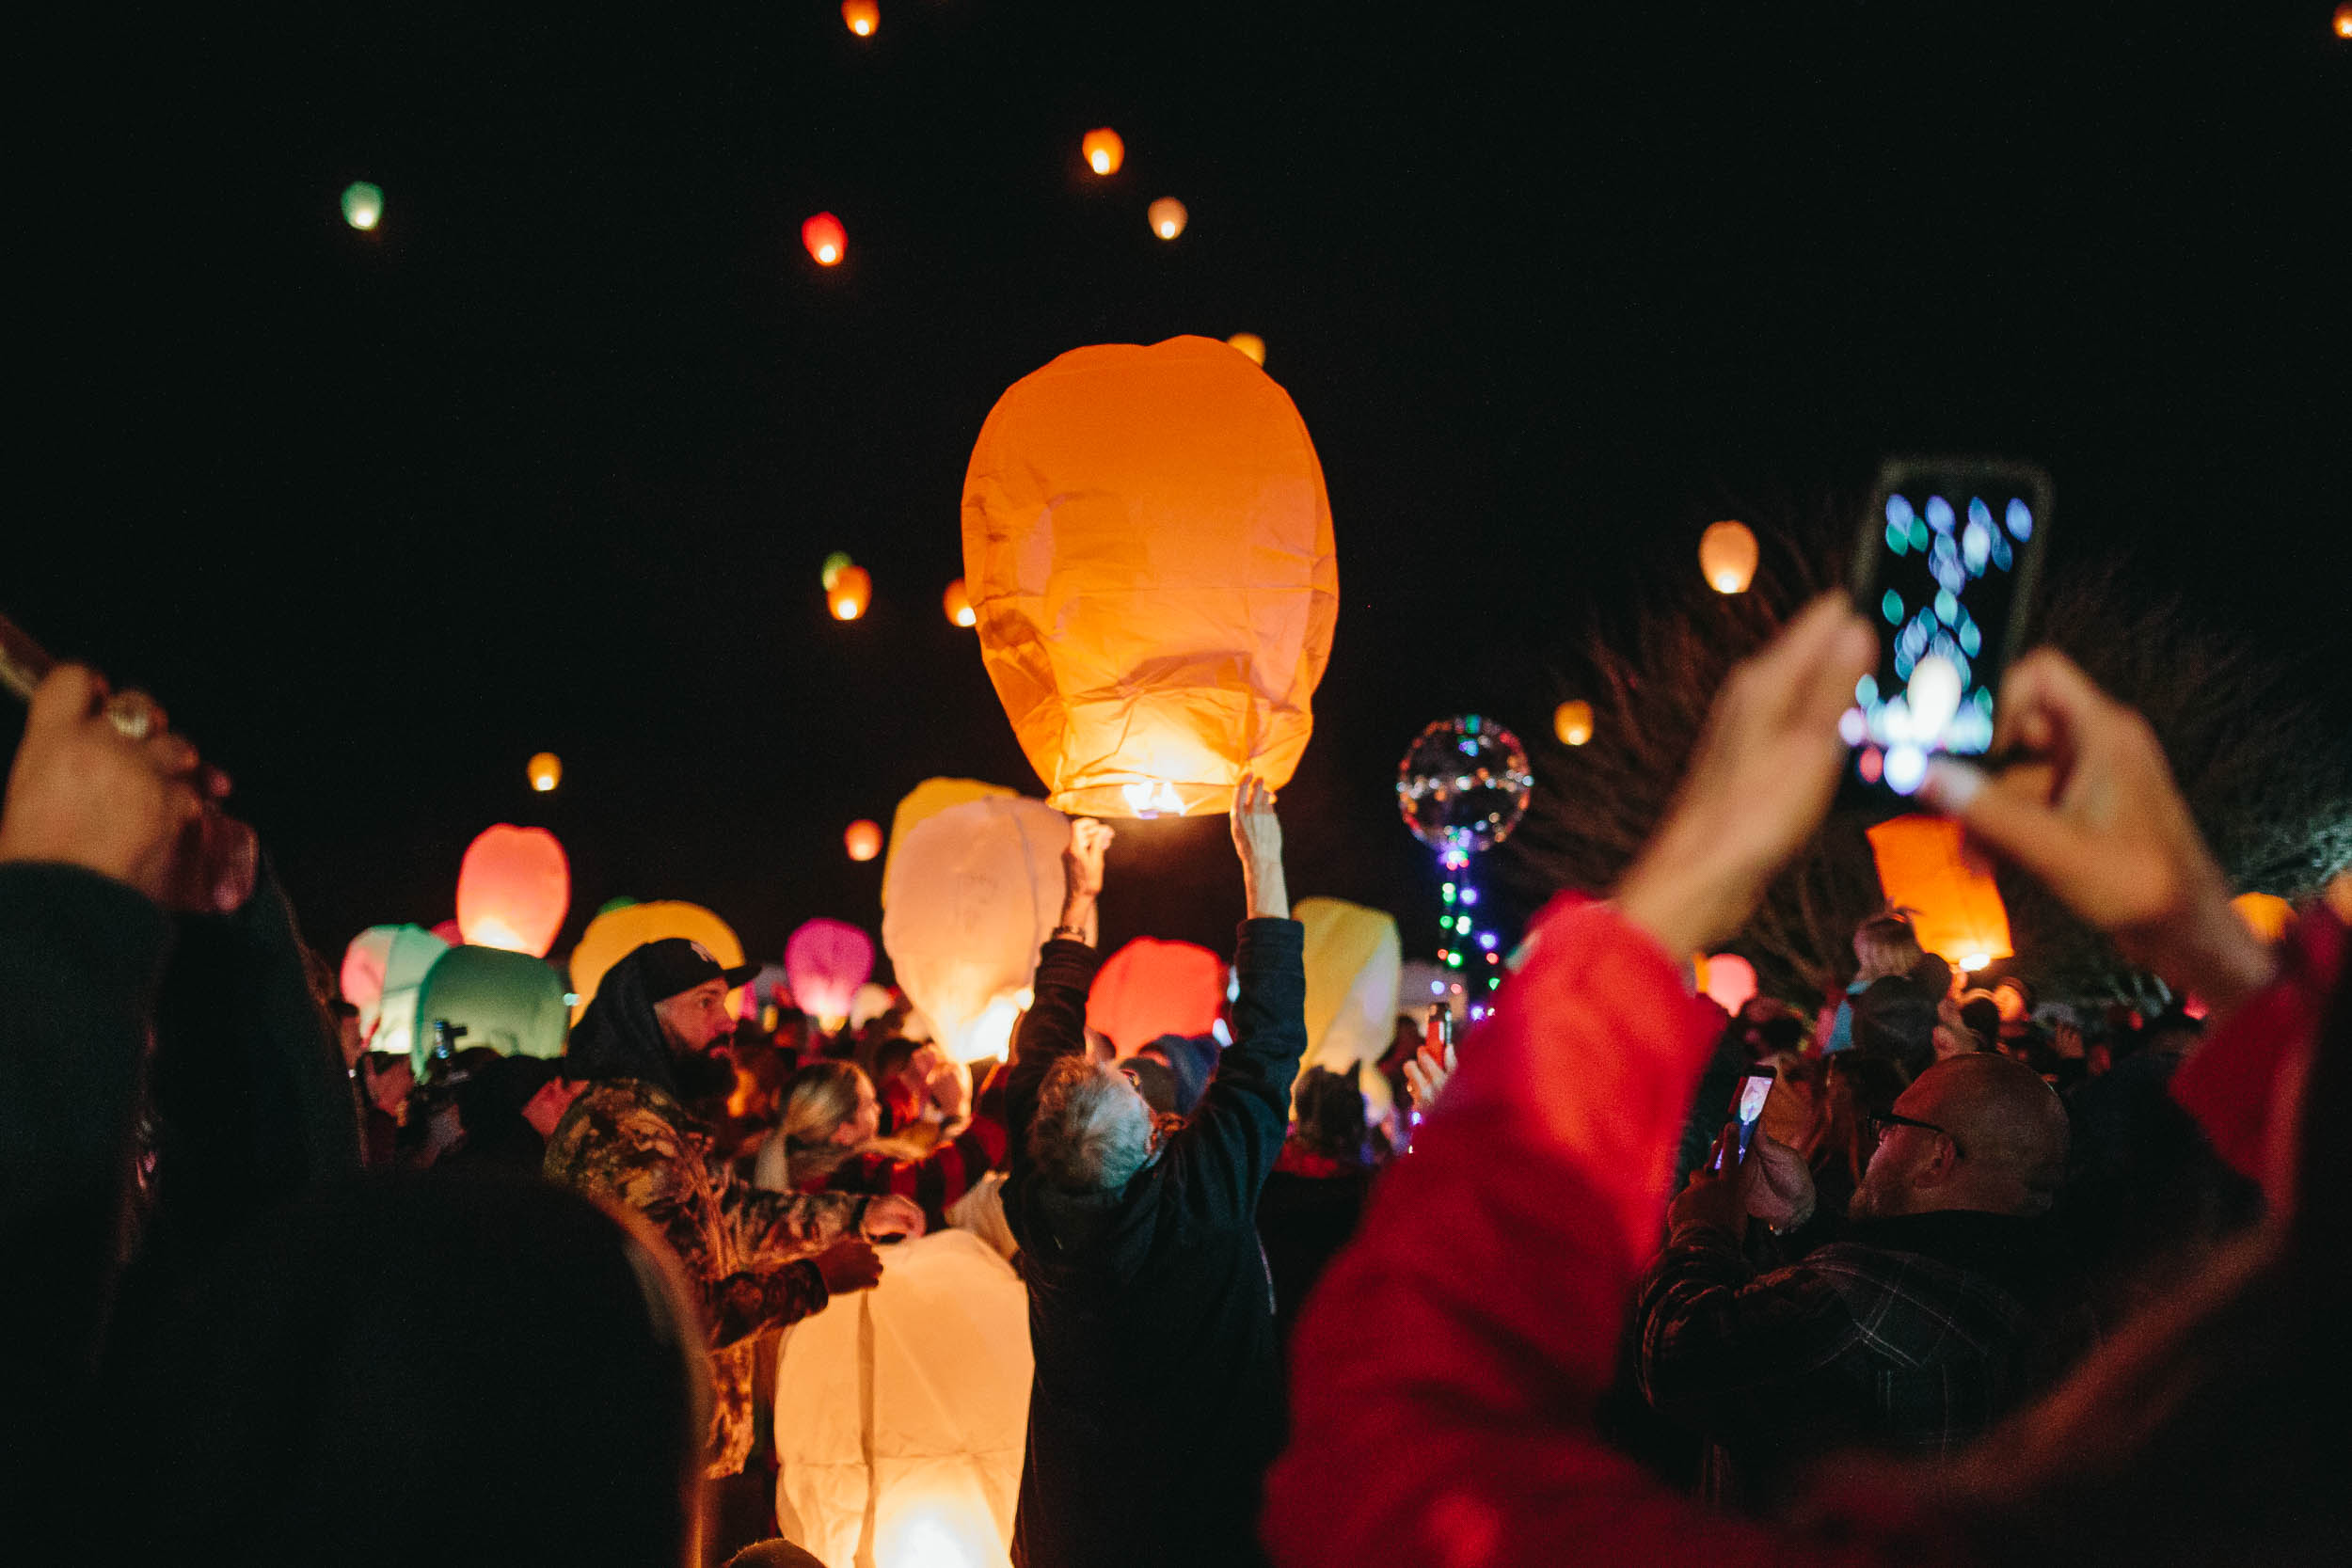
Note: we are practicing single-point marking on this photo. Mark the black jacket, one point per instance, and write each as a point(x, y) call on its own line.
point(1157, 1399)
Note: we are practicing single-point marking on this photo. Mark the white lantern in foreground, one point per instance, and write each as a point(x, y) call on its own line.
point(969, 896)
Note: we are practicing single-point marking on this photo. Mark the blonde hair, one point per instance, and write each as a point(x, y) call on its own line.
point(1885, 944)
point(817, 1099)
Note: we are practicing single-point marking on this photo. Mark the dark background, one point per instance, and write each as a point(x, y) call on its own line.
point(550, 460)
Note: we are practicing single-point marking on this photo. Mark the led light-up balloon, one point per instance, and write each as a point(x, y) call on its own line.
point(546, 772)
point(1147, 543)
point(1249, 346)
point(363, 205)
point(615, 934)
point(851, 593)
point(862, 839)
point(1727, 556)
point(1167, 217)
point(926, 800)
point(509, 1002)
point(825, 962)
point(1151, 988)
point(1572, 721)
point(1104, 150)
point(512, 890)
point(972, 893)
point(1463, 784)
point(861, 17)
point(1956, 910)
point(827, 240)
point(1352, 961)
point(958, 604)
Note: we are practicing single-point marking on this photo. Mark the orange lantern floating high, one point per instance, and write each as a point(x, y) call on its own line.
point(1956, 911)
point(1167, 217)
point(1572, 721)
point(852, 589)
point(512, 890)
point(861, 17)
point(2343, 20)
point(958, 604)
point(1147, 543)
point(545, 771)
point(1727, 556)
point(1249, 346)
point(1102, 150)
point(827, 240)
point(863, 838)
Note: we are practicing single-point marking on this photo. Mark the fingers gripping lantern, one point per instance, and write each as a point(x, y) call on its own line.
point(1147, 544)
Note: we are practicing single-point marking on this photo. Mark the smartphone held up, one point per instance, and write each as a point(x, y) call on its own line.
point(1944, 569)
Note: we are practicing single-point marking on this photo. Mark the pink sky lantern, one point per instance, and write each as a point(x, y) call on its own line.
point(1151, 988)
point(1729, 979)
point(826, 961)
point(512, 890)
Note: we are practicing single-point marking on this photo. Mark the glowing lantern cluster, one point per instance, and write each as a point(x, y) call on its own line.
point(861, 17)
point(1167, 217)
point(1955, 908)
point(827, 240)
point(862, 839)
point(1151, 988)
point(363, 205)
point(970, 896)
point(1249, 346)
point(1104, 150)
point(1727, 556)
point(1572, 721)
point(545, 771)
point(825, 962)
point(513, 889)
point(1148, 543)
point(958, 604)
point(1352, 958)
point(617, 933)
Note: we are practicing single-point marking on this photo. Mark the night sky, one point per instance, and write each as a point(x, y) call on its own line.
point(549, 461)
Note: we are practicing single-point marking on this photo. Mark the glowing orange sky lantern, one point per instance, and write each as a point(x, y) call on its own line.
point(1104, 150)
point(1955, 909)
point(958, 604)
point(512, 890)
point(1727, 556)
point(1148, 543)
point(1572, 721)
point(852, 589)
point(2343, 20)
point(1167, 217)
point(1249, 346)
point(2266, 915)
point(861, 17)
point(545, 771)
point(862, 839)
point(1151, 988)
point(827, 240)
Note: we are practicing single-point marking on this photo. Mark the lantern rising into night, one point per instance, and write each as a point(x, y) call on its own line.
point(363, 205)
point(852, 589)
point(2343, 20)
point(958, 604)
point(827, 240)
point(1956, 911)
point(546, 772)
point(861, 17)
point(1727, 556)
point(1167, 217)
point(513, 889)
point(1572, 721)
point(1104, 150)
point(863, 838)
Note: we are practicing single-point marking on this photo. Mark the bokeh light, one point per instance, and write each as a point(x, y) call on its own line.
point(1104, 150)
point(958, 604)
point(1167, 217)
point(363, 205)
point(863, 838)
point(1572, 721)
point(861, 17)
point(852, 589)
point(827, 240)
point(1727, 556)
point(1251, 346)
point(834, 565)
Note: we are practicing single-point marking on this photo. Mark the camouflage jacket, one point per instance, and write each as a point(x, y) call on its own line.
point(745, 1251)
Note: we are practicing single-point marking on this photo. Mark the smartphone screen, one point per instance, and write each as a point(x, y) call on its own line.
point(1944, 570)
point(1754, 1089)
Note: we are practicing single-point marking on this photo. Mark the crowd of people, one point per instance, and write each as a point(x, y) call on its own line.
point(1983, 1281)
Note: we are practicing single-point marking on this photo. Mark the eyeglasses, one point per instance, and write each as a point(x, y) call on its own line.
point(1882, 1125)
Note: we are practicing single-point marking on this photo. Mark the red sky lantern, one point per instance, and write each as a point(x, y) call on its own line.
point(827, 240)
point(862, 839)
point(512, 890)
point(825, 962)
point(1151, 988)
point(1956, 911)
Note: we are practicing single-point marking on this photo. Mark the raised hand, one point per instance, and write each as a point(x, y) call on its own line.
point(1258, 840)
point(84, 792)
point(1781, 1193)
point(892, 1215)
point(850, 1264)
point(1425, 1075)
point(1082, 870)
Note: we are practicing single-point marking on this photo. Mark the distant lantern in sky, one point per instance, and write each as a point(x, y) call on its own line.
point(2343, 20)
point(852, 589)
point(834, 565)
point(546, 771)
point(958, 604)
point(1249, 344)
point(363, 205)
point(1727, 556)
point(1572, 721)
point(1167, 217)
point(863, 838)
point(1104, 150)
point(863, 17)
point(827, 240)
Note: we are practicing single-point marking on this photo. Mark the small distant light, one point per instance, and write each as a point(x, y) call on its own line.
point(1906, 766)
point(1104, 150)
point(571, 999)
point(545, 771)
point(1487, 940)
point(363, 205)
point(1852, 727)
point(2343, 20)
point(1871, 765)
point(826, 239)
point(1469, 896)
point(1167, 217)
point(1436, 987)
point(2019, 516)
point(861, 17)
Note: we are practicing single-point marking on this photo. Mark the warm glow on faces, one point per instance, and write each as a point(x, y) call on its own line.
point(694, 1020)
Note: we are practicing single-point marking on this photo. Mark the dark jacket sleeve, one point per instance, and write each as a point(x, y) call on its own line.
point(80, 957)
point(1720, 1346)
point(1230, 1142)
point(1055, 1026)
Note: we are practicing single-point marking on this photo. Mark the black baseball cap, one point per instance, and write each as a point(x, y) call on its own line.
point(677, 964)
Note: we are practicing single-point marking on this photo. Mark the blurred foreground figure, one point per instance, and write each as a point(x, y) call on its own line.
point(1497, 1262)
point(1156, 1403)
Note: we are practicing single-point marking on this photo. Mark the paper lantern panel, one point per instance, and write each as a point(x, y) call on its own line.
point(615, 934)
point(1353, 962)
point(514, 887)
point(929, 799)
point(1151, 988)
point(974, 891)
point(1956, 910)
point(1147, 546)
point(414, 951)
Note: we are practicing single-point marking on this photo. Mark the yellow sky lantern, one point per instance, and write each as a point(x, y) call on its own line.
point(1352, 959)
point(617, 933)
point(1249, 344)
point(861, 17)
point(1727, 556)
point(928, 799)
point(958, 604)
point(1572, 721)
point(852, 589)
point(1167, 217)
point(863, 838)
point(545, 771)
point(1104, 150)
point(1956, 911)
point(1147, 542)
